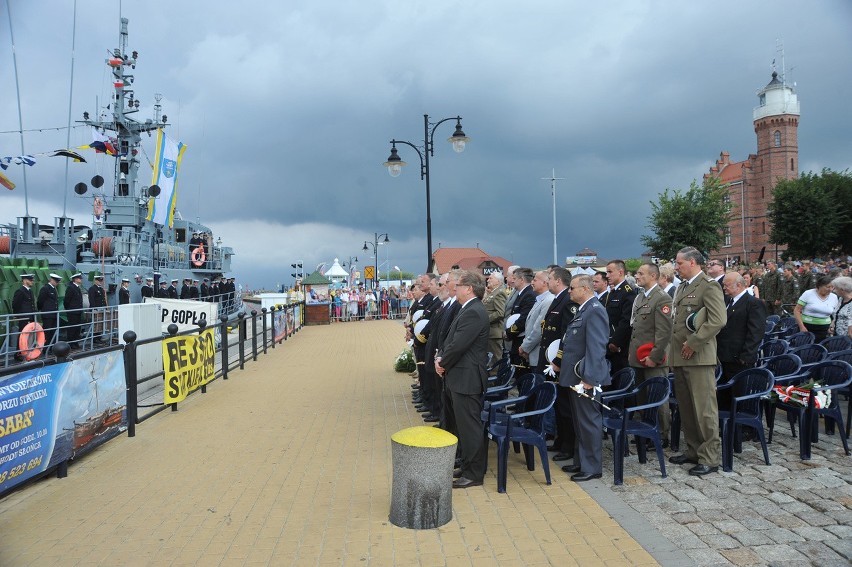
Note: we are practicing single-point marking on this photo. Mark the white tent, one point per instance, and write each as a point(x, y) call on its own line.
point(336, 272)
point(581, 270)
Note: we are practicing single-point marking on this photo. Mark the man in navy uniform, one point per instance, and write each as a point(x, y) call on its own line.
point(124, 292)
point(193, 291)
point(23, 306)
point(522, 306)
point(97, 302)
point(48, 306)
point(205, 290)
point(184, 290)
point(583, 363)
point(560, 313)
point(148, 289)
point(72, 304)
point(618, 303)
point(172, 289)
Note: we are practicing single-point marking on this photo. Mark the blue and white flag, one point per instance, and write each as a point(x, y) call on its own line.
point(161, 209)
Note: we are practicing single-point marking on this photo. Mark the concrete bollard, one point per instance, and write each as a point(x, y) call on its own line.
point(422, 493)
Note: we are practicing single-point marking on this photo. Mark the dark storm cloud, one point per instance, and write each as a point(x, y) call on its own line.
point(287, 112)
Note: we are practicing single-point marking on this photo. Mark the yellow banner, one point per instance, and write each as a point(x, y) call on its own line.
point(188, 364)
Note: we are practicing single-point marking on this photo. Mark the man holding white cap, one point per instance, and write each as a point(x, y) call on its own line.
point(148, 289)
point(48, 306)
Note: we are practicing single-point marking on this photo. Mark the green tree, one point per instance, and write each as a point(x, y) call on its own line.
point(695, 217)
point(812, 215)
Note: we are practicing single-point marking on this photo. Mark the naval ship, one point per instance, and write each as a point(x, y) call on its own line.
point(120, 242)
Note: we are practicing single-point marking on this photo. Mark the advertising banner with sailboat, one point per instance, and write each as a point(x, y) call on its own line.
point(50, 415)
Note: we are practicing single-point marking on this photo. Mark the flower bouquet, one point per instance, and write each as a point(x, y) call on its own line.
point(405, 361)
point(801, 393)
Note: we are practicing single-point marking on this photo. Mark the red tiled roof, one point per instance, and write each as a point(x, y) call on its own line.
point(465, 258)
point(732, 172)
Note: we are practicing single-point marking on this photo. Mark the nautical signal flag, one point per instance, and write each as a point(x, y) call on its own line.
point(161, 209)
point(69, 154)
point(6, 182)
point(101, 143)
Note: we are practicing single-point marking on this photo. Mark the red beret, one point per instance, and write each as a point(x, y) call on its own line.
point(643, 351)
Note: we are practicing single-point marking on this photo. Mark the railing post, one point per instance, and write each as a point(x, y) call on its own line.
point(241, 324)
point(272, 319)
point(263, 311)
point(202, 324)
point(130, 381)
point(172, 330)
point(224, 334)
point(254, 334)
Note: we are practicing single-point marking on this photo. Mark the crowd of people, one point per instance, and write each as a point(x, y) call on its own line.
point(684, 317)
point(358, 303)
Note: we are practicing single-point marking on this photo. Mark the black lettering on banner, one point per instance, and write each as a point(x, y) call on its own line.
point(174, 356)
point(164, 314)
point(174, 387)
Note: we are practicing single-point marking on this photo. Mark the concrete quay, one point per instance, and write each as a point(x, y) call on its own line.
point(289, 463)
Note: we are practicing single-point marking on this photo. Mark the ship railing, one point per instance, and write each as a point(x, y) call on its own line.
point(83, 329)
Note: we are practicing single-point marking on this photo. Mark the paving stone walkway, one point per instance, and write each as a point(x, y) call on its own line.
point(289, 463)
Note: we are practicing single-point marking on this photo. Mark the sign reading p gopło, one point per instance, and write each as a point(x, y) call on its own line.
point(188, 364)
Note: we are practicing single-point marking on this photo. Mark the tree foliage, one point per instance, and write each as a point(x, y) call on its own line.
point(695, 217)
point(812, 215)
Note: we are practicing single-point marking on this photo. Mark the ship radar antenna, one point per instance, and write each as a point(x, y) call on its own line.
point(157, 107)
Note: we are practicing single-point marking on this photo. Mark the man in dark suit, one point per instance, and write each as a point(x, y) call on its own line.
point(428, 401)
point(619, 304)
point(560, 313)
point(522, 306)
point(738, 341)
point(205, 291)
point(48, 306)
point(172, 290)
point(583, 364)
point(194, 292)
point(184, 290)
point(716, 270)
point(461, 362)
point(72, 304)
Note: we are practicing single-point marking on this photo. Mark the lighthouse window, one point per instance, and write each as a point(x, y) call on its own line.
point(762, 100)
point(777, 139)
point(792, 167)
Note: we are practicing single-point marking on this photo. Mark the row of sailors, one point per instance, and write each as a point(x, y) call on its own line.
point(222, 289)
point(25, 306)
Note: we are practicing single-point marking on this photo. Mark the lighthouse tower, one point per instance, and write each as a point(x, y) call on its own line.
point(776, 123)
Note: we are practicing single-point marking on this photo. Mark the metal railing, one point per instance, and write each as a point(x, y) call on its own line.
point(360, 311)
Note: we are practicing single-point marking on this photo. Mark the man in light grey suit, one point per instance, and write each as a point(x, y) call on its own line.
point(532, 339)
point(583, 361)
point(461, 363)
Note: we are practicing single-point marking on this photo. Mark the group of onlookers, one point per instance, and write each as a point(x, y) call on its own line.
point(358, 303)
point(684, 318)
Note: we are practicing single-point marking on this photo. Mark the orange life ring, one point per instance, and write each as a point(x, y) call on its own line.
point(98, 207)
point(198, 256)
point(31, 351)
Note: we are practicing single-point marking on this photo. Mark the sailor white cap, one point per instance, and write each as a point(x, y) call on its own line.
point(174, 280)
point(125, 280)
point(55, 276)
point(77, 275)
point(149, 279)
point(99, 276)
point(27, 276)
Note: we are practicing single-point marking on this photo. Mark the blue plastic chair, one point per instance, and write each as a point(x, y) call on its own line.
point(499, 386)
point(770, 348)
point(773, 319)
point(837, 344)
point(810, 355)
point(640, 421)
point(747, 389)
point(801, 338)
point(786, 368)
point(830, 375)
point(785, 327)
point(525, 427)
point(622, 381)
point(845, 356)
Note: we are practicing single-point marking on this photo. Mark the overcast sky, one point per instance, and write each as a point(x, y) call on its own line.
point(287, 109)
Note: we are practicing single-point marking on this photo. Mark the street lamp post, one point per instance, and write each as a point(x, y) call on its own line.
point(395, 163)
point(375, 244)
point(353, 260)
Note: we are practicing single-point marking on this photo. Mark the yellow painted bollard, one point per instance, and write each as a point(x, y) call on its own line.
point(422, 492)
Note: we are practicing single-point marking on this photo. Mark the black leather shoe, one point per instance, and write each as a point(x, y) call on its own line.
point(701, 470)
point(422, 409)
point(681, 459)
point(571, 469)
point(457, 473)
point(562, 457)
point(582, 477)
point(463, 482)
point(431, 419)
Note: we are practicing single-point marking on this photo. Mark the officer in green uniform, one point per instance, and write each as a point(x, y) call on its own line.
point(693, 357)
point(788, 293)
point(769, 292)
point(651, 322)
